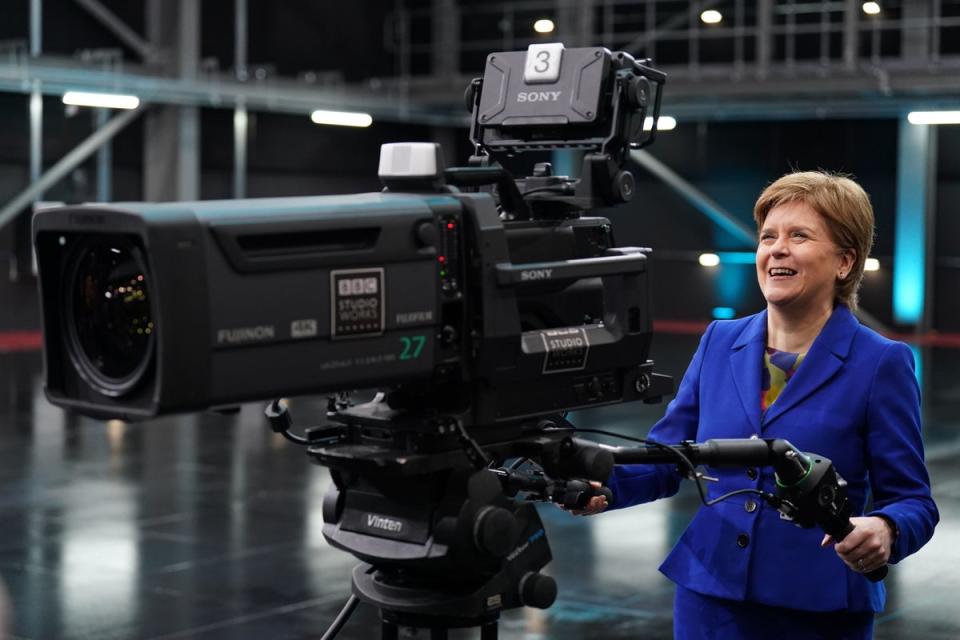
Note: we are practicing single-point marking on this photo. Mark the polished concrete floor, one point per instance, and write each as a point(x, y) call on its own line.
point(209, 526)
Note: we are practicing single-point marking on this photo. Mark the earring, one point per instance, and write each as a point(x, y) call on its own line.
point(843, 275)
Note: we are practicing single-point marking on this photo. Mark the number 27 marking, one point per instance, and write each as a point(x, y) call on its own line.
point(412, 347)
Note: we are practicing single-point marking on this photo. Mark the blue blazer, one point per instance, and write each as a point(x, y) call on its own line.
point(855, 400)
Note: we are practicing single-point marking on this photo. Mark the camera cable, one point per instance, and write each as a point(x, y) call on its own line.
point(689, 466)
point(281, 422)
point(341, 618)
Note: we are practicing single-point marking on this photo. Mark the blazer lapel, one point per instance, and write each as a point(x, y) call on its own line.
point(823, 361)
point(746, 359)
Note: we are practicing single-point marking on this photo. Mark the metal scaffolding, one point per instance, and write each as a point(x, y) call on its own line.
point(777, 59)
point(767, 59)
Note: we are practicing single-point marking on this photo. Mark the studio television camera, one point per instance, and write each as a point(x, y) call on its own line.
point(484, 307)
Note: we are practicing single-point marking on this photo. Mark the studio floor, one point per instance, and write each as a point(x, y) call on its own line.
point(209, 526)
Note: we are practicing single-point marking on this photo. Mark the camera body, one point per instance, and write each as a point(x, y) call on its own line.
point(289, 296)
point(494, 307)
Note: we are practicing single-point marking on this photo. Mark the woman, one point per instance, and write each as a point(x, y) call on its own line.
point(804, 370)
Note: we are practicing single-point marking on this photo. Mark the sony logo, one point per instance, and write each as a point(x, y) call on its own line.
point(386, 524)
point(245, 334)
point(538, 96)
point(535, 274)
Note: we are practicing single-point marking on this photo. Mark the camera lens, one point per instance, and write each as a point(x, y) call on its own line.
point(110, 327)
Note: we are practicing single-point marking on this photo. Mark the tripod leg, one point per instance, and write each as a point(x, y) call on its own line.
point(341, 618)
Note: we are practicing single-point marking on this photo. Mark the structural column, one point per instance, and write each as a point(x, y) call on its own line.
point(446, 65)
point(916, 197)
point(851, 34)
point(172, 134)
point(240, 122)
point(446, 38)
point(575, 22)
point(36, 98)
point(764, 37)
point(22, 249)
point(915, 36)
point(104, 161)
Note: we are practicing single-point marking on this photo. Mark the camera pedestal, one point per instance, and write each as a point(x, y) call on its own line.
point(439, 609)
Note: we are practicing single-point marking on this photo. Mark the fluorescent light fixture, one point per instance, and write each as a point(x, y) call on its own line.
point(737, 257)
point(871, 8)
point(709, 259)
point(341, 118)
point(104, 100)
point(728, 257)
point(543, 25)
point(711, 16)
point(664, 123)
point(871, 264)
point(934, 117)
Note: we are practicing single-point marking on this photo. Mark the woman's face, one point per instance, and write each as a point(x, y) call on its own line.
point(798, 262)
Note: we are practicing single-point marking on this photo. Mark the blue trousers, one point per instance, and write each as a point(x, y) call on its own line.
point(700, 617)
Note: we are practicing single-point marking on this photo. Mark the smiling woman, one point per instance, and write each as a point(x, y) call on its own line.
point(807, 371)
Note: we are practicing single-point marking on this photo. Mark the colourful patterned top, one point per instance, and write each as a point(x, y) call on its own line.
point(778, 368)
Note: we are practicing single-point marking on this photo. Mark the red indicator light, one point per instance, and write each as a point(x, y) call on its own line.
point(449, 225)
point(442, 259)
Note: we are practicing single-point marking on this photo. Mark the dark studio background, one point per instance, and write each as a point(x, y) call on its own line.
point(207, 525)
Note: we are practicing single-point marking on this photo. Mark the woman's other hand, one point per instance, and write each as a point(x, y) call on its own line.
point(865, 548)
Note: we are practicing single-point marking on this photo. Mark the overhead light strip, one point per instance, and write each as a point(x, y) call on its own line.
point(102, 100)
point(341, 118)
point(664, 123)
point(934, 117)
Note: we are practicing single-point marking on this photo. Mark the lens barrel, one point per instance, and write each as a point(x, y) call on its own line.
point(110, 330)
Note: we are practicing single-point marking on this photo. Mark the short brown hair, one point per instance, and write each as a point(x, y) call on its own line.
point(845, 207)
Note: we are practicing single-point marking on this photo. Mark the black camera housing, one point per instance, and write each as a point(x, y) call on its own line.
point(494, 307)
point(244, 301)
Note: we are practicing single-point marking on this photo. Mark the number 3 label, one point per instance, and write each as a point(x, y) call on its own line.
point(543, 63)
